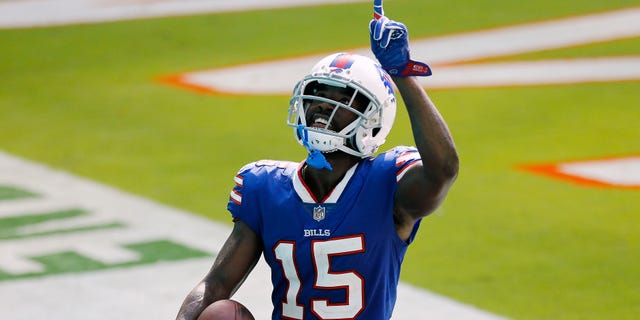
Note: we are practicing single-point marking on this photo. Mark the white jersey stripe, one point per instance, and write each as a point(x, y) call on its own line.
point(236, 197)
point(239, 180)
point(407, 156)
point(404, 170)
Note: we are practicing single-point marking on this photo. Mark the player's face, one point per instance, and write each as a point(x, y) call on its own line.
point(319, 113)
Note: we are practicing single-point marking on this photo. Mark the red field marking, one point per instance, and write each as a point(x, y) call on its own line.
point(621, 172)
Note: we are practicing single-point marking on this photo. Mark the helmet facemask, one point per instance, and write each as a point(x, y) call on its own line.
point(362, 136)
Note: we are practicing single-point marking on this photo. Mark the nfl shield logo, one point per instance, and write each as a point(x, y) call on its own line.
point(318, 213)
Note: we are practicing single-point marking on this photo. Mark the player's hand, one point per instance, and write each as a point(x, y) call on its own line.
point(390, 45)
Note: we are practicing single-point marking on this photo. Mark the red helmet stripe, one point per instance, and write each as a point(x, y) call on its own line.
point(343, 61)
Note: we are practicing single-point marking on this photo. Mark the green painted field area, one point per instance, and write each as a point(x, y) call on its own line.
point(87, 99)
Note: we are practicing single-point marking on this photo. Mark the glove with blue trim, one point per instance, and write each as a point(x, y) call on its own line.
point(390, 45)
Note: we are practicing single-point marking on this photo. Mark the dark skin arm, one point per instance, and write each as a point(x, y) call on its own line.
point(236, 259)
point(424, 187)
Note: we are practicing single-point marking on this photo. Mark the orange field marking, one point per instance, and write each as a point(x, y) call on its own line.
point(621, 172)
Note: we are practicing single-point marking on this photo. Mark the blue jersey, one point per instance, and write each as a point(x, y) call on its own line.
point(332, 258)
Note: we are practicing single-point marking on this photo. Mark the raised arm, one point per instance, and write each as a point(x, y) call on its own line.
point(236, 259)
point(424, 187)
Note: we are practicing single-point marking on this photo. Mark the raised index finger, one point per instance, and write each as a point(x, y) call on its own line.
point(378, 11)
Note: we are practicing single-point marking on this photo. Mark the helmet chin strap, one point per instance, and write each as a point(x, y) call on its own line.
point(315, 159)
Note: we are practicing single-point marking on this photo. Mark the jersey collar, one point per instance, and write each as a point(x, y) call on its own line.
point(305, 194)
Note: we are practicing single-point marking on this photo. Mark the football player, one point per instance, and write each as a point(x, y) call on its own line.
point(334, 228)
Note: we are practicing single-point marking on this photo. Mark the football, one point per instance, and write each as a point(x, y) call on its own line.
point(226, 310)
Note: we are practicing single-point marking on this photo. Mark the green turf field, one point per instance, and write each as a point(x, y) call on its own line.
point(86, 99)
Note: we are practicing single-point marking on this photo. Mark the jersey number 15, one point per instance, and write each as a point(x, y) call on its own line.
point(322, 251)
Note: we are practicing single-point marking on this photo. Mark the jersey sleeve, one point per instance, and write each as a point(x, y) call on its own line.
point(240, 204)
point(399, 160)
point(404, 159)
point(258, 185)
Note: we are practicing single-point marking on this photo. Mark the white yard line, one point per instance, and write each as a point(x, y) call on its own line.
point(531, 37)
point(541, 72)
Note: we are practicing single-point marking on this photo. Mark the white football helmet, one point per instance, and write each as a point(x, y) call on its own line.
point(368, 131)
